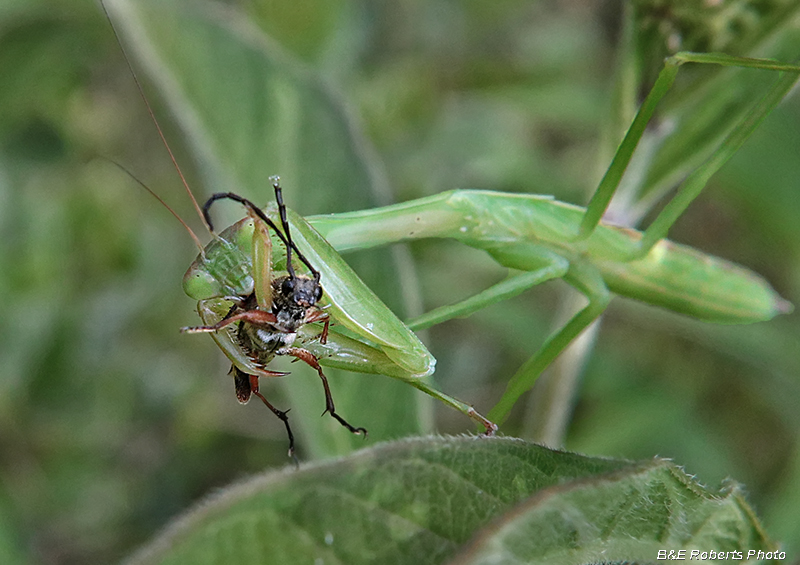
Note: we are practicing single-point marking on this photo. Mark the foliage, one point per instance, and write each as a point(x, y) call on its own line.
point(421, 501)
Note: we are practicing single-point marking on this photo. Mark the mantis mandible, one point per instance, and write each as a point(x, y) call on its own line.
point(545, 239)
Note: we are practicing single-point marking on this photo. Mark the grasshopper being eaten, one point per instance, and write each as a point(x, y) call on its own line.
point(267, 312)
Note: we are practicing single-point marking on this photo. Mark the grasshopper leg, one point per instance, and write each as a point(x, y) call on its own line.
point(257, 317)
point(320, 316)
point(310, 359)
point(248, 384)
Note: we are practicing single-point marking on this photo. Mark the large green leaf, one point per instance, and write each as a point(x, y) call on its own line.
point(634, 515)
point(420, 501)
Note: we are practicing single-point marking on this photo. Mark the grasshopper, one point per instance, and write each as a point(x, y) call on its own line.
point(268, 311)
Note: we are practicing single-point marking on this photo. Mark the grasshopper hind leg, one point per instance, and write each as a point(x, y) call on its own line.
point(248, 384)
point(310, 359)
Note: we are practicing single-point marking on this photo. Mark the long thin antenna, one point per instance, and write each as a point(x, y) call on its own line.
point(164, 204)
point(152, 117)
point(285, 224)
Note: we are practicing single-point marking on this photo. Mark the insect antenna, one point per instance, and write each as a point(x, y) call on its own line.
point(247, 204)
point(161, 200)
point(285, 224)
point(154, 119)
point(286, 239)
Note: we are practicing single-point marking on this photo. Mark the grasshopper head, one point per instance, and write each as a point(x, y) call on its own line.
point(303, 291)
point(292, 297)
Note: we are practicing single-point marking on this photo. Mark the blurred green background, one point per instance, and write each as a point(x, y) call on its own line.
point(111, 422)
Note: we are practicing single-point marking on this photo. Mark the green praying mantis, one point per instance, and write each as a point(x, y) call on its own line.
point(538, 238)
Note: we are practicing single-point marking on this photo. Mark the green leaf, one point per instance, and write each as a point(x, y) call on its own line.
point(421, 501)
point(631, 515)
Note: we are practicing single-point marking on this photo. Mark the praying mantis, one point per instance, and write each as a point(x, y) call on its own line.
point(545, 239)
point(542, 239)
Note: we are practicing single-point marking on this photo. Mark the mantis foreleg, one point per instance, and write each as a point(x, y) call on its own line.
point(531, 234)
point(262, 264)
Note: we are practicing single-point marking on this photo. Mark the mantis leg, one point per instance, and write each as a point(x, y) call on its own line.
point(696, 181)
point(512, 286)
point(552, 266)
point(346, 353)
point(588, 281)
point(694, 184)
point(489, 426)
